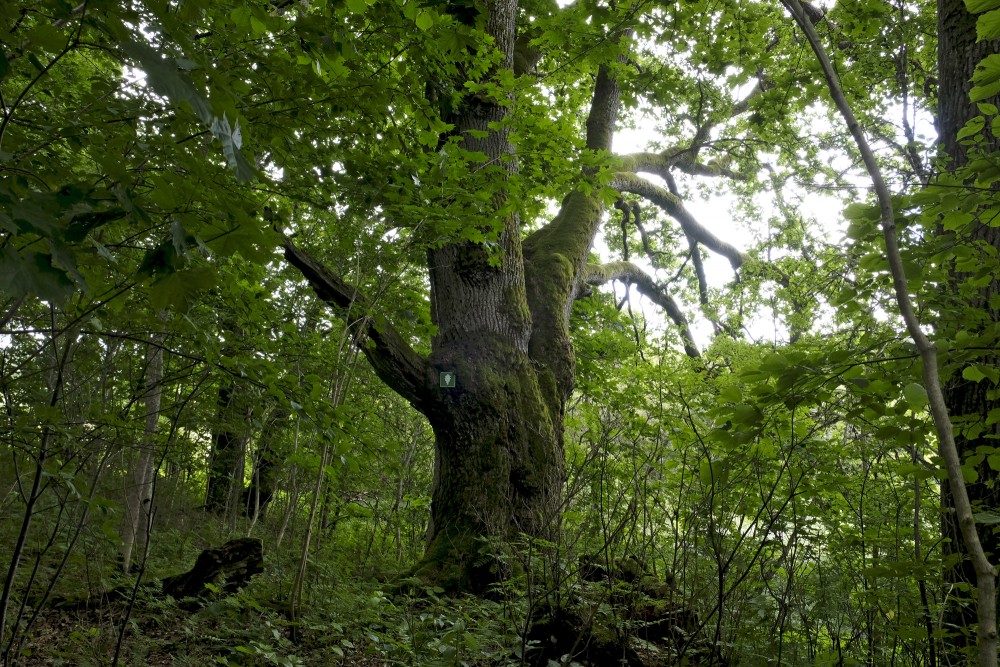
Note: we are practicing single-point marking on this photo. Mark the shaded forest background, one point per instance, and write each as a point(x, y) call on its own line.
point(243, 244)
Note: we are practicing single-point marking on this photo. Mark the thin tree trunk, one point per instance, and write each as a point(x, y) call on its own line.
point(985, 573)
point(293, 493)
point(138, 499)
point(340, 384)
point(918, 560)
point(55, 386)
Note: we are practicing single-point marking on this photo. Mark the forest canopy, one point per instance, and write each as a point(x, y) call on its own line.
point(499, 332)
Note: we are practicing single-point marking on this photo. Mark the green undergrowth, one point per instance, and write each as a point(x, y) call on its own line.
point(342, 622)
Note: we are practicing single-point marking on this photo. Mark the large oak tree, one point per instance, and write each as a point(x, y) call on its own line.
point(439, 172)
point(500, 306)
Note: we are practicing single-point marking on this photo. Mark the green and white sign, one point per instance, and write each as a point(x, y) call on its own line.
point(447, 379)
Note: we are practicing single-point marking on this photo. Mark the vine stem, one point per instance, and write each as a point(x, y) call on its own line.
point(986, 574)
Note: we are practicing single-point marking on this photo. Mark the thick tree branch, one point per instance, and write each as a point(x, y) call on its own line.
point(604, 109)
point(394, 361)
point(572, 231)
point(685, 158)
point(660, 164)
point(696, 261)
point(630, 274)
point(672, 205)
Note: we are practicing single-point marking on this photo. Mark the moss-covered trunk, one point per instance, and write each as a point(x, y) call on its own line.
point(501, 309)
point(499, 465)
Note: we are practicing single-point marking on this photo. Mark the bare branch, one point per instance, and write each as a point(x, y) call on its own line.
point(630, 274)
point(394, 361)
point(696, 261)
point(685, 158)
point(699, 270)
point(672, 205)
point(626, 210)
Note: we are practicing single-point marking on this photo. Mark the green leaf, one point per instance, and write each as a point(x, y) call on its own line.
point(915, 395)
point(705, 473)
point(973, 127)
point(34, 273)
point(973, 374)
point(241, 16)
point(986, 78)
point(987, 518)
point(774, 363)
point(424, 20)
point(47, 36)
point(993, 461)
point(985, 91)
point(164, 78)
point(969, 474)
point(428, 138)
point(981, 372)
point(730, 394)
point(988, 26)
point(357, 6)
point(712, 473)
point(179, 289)
point(979, 6)
point(859, 211)
point(35, 62)
point(987, 109)
point(746, 414)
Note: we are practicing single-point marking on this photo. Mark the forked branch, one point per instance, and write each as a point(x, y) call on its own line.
point(672, 205)
point(630, 274)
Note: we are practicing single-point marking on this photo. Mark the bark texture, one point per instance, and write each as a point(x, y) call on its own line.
point(968, 402)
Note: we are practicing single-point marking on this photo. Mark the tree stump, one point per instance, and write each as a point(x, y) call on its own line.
point(227, 568)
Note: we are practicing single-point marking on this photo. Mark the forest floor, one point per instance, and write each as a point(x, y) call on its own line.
point(232, 632)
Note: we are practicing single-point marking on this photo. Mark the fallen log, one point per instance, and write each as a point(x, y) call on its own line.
point(218, 571)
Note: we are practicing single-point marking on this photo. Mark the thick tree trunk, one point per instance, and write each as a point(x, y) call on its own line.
point(224, 479)
point(502, 313)
point(498, 470)
point(968, 402)
point(499, 454)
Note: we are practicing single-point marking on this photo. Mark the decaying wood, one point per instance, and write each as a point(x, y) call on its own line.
point(222, 570)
